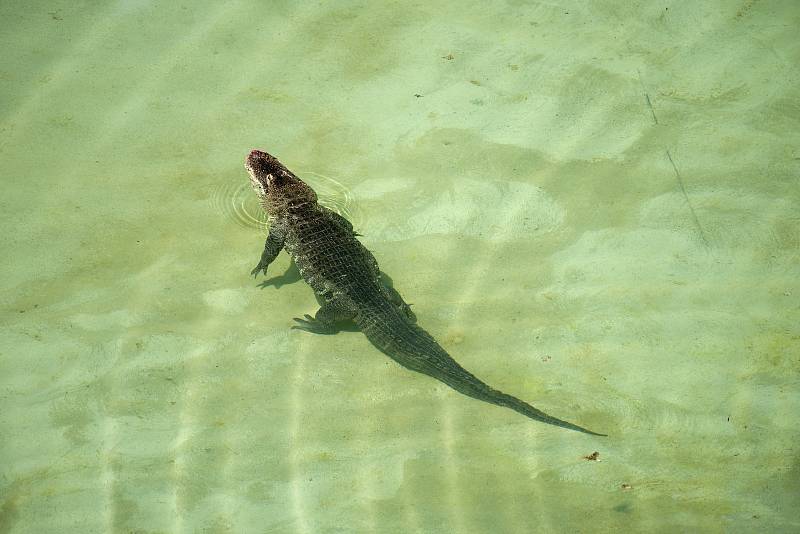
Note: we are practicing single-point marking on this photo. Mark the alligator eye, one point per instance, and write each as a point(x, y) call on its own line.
point(259, 188)
point(275, 180)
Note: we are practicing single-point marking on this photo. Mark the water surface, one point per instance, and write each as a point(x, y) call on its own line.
point(594, 208)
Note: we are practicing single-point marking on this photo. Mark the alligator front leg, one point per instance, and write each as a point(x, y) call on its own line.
point(272, 247)
point(324, 321)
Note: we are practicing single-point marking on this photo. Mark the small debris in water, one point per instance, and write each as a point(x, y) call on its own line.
point(626, 486)
point(594, 457)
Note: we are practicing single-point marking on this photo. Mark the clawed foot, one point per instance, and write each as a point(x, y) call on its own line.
point(310, 324)
point(259, 268)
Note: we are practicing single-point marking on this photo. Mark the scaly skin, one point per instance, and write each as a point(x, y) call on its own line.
point(347, 281)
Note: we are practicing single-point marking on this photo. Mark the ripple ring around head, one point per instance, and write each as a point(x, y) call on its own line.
point(238, 202)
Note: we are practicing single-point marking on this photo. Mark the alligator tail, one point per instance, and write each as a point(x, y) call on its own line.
point(415, 349)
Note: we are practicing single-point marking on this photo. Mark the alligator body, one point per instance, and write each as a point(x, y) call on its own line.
point(347, 282)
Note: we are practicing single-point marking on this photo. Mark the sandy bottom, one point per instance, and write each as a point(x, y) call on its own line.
point(592, 208)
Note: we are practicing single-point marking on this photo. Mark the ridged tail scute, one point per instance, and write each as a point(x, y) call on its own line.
point(415, 349)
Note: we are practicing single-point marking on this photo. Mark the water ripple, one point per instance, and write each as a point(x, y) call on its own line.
point(236, 200)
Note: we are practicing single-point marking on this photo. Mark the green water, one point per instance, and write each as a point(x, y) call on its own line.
point(592, 206)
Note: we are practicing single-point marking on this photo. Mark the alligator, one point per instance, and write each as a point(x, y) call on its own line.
point(348, 284)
